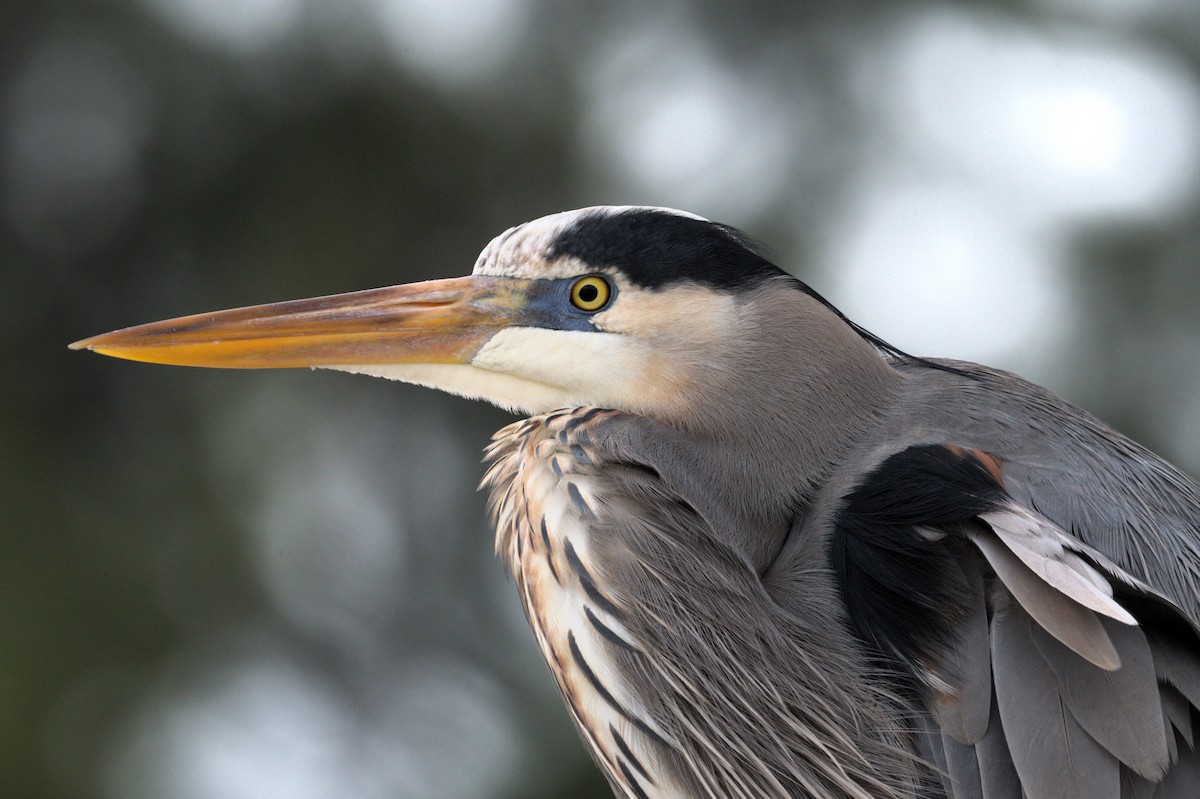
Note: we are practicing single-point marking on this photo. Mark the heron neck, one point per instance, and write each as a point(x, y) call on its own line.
point(749, 459)
point(802, 391)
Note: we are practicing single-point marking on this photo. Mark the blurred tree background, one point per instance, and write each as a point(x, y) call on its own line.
point(280, 584)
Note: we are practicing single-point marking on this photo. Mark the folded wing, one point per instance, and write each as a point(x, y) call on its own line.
point(1046, 670)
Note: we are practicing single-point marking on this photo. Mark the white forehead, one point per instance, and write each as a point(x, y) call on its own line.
point(520, 251)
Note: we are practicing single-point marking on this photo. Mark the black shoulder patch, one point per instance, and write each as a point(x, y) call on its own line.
point(654, 248)
point(900, 582)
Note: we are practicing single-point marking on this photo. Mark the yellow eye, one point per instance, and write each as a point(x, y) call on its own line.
point(590, 293)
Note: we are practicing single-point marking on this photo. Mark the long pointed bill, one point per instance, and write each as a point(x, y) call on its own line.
point(439, 321)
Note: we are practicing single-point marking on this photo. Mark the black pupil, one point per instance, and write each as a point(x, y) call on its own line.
point(588, 293)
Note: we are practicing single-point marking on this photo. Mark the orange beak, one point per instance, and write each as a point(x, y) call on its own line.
point(439, 321)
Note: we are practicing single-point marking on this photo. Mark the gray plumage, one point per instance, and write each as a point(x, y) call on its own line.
point(680, 527)
point(660, 543)
point(1122, 708)
point(996, 770)
point(963, 712)
point(963, 779)
point(765, 554)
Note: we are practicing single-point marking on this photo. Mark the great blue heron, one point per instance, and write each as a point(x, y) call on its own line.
point(766, 554)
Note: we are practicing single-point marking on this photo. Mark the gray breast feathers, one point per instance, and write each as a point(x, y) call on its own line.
point(685, 677)
point(545, 495)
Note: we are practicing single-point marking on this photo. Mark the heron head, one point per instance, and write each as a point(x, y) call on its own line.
point(632, 308)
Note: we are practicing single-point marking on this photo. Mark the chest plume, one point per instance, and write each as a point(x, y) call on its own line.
point(545, 495)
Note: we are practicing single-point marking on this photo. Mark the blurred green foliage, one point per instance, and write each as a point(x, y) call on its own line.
point(152, 171)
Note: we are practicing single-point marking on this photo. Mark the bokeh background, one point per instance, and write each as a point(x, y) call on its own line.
point(280, 584)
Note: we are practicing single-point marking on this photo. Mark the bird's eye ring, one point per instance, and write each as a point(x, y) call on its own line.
point(590, 293)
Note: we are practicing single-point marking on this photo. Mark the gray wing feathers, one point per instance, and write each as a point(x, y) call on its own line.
point(1042, 546)
point(997, 773)
point(1172, 740)
point(929, 742)
point(1053, 755)
point(1184, 780)
point(1176, 666)
point(1097, 528)
point(1086, 706)
point(956, 764)
point(1099, 486)
point(1121, 709)
point(1068, 621)
point(962, 769)
point(963, 711)
point(1134, 787)
point(1176, 710)
point(983, 770)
